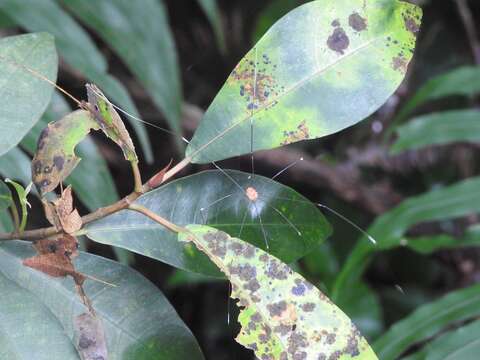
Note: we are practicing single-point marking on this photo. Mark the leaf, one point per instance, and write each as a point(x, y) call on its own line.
point(462, 81)
point(28, 330)
point(462, 343)
point(430, 244)
point(61, 213)
point(140, 35)
point(78, 51)
point(55, 157)
point(6, 224)
point(211, 10)
point(139, 322)
point(438, 129)
point(90, 341)
point(5, 197)
point(283, 316)
point(300, 80)
point(110, 122)
point(428, 320)
point(24, 97)
point(279, 211)
point(22, 197)
point(91, 172)
point(449, 202)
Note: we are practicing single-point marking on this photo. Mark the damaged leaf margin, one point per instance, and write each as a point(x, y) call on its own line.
point(283, 316)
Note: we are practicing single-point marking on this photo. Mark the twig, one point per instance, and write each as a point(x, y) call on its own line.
point(157, 218)
point(469, 24)
point(100, 213)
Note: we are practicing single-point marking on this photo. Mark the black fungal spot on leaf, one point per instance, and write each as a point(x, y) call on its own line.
point(301, 133)
point(357, 22)
point(338, 41)
point(335, 23)
point(58, 161)
point(276, 309)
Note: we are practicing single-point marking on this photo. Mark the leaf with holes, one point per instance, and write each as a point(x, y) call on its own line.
point(55, 158)
point(321, 68)
point(218, 199)
point(24, 97)
point(283, 316)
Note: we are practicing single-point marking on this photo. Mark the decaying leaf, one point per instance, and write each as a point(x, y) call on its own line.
point(55, 257)
point(61, 213)
point(55, 158)
point(109, 121)
point(157, 179)
point(283, 316)
point(90, 337)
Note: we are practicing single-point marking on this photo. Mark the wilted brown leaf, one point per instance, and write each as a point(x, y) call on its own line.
point(90, 337)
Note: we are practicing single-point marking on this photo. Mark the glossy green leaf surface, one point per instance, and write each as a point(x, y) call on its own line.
point(212, 11)
point(283, 316)
point(438, 129)
point(449, 202)
point(275, 219)
point(462, 343)
point(79, 51)
point(462, 81)
point(139, 33)
point(323, 67)
point(28, 330)
point(24, 97)
point(138, 320)
point(427, 321)
point(91, 173)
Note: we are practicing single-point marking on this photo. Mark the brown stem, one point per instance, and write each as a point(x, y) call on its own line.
point(157, 218)
point(100, 213)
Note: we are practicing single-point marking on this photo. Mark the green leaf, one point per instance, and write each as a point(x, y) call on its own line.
point(24, 97)
point(211, 10)
point(16, 165)
point(430, 244)
point(78, 50)
point(92, 172)
point(283, 316)
point(274, 219)
point(462, 343)
point(300, 80)
point(427, 321)
point(140, 35)
point(438, 129)
point(463, 81)
point(440, 204)
point(138, 320)
point(5, 196)
point(28, 330)
point(55, 157)
point(22, 198)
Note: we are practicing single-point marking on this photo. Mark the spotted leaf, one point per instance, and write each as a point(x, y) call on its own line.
point(110, 122)
point(323, 67)
point(55, 158)
point(283, 316)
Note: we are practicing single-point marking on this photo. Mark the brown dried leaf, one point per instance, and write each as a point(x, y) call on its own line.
point(61, 213)
point(157, 179)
